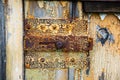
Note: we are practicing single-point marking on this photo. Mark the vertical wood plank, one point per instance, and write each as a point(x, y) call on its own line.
point(2, 43)
point(14, 40)
point(79, 5)
point(105, 59)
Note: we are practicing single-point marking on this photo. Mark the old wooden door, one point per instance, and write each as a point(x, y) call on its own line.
point(56, 45)
point(2, 43)
point(50, 63)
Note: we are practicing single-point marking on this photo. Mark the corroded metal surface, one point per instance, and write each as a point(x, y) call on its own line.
point(49, 60)
point(56, 34)
point(53, 43)
point(55, 26)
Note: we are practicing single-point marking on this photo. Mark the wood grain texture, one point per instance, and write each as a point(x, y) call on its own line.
point(105, 59)
point(14, 40)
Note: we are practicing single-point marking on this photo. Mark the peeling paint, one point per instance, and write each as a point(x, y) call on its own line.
point(101, 77)
point(102, 57)
point(71, 73)
point(61, 74)
point(106, 57)
point(102, 16)
point(118, 15)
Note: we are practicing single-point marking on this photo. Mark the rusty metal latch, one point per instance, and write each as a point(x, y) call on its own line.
point(53, 43)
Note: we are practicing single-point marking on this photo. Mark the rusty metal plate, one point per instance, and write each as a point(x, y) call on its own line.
point(49, 60)
point(55, 42)
point(38, 26)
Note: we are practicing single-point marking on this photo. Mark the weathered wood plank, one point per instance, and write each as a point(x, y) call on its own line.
point(101, 6)
point(105, 59)
point(14, 40)
point(101, 0)
point(2, 43)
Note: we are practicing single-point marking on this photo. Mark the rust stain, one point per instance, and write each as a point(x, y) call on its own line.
point(27, 65)
point(6, 1)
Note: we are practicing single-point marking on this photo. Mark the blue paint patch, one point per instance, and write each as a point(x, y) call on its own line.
point(47, 13)
point(88, 64)
point(102, 76)
point(71, 73)
point(103, 35)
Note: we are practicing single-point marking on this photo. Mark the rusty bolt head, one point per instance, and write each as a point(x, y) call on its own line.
point(59, 44)
point(72, 60)
point(42, 59)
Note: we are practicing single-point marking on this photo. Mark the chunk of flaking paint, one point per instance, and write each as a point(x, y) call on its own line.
point(102, 16)
point(102, 76)
point(16, 69)
point(71, 72)
point(61, 74)
point(88, 69)
point(103, 35)
point(111, 38)
point(88, 64)
point(118, 15)
point(81, 75)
